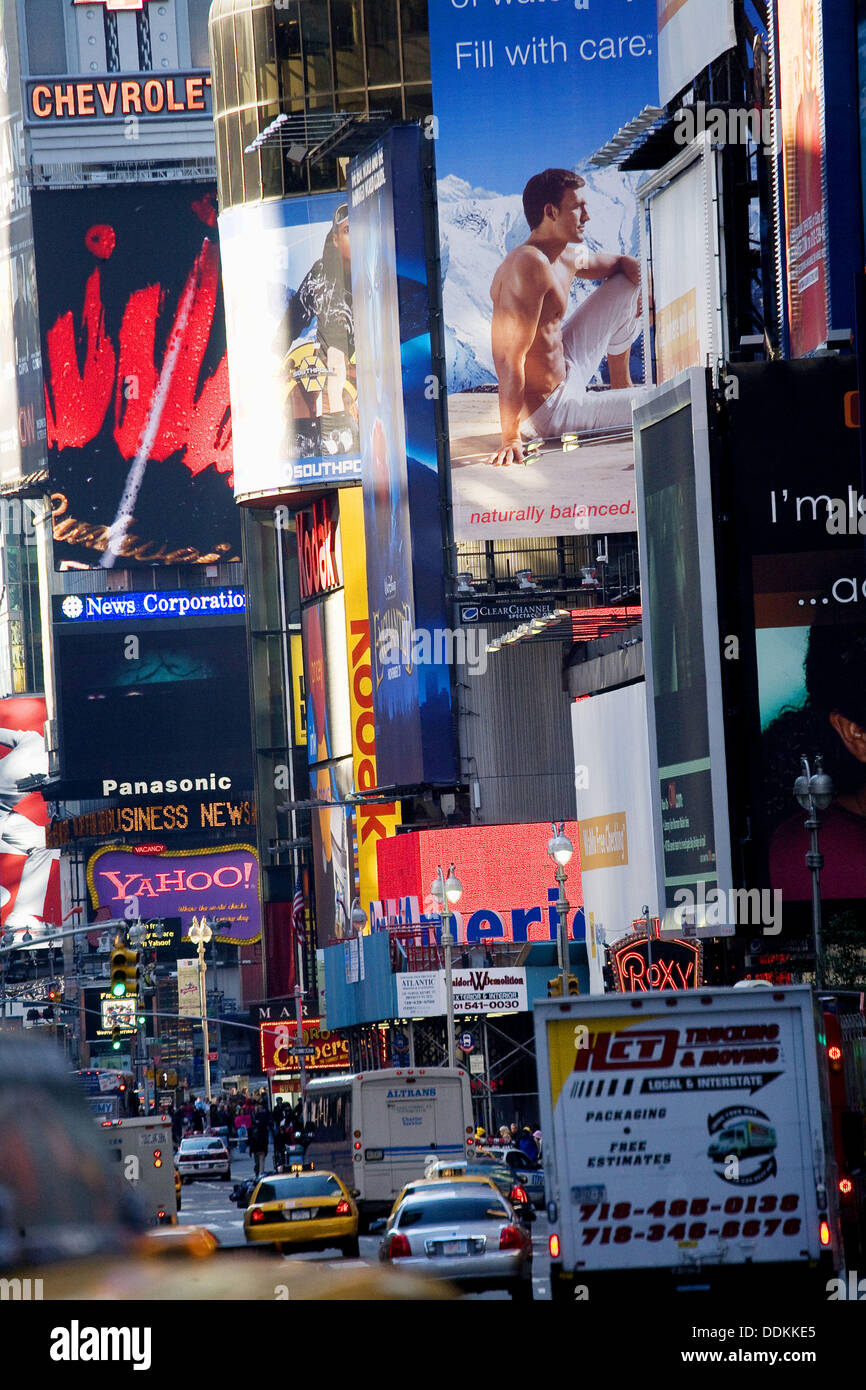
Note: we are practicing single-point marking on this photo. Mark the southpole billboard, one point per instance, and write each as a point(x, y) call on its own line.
point(501, 74)
point(389, 216)
point(288, 291)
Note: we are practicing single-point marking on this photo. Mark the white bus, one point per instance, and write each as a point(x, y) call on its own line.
point(376, 1129)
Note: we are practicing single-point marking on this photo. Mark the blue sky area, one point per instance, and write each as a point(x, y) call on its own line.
point(498, 126)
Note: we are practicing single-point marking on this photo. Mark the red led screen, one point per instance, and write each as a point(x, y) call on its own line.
point(136, 379)
point(508, 879)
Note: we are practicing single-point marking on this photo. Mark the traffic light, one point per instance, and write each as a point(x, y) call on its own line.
point(115, 1039)
point(554, 986)
point(125, 970)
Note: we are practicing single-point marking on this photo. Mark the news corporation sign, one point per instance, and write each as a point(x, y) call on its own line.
point(171, 603)
point(487, 990)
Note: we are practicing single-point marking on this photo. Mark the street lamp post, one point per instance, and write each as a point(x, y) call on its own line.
point(200, 934)
point(448, 892)
point(814, 791)
point(560, 849)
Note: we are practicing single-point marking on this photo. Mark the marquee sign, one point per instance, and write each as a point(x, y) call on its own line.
point(642, 965)
point(330, 1050)
point(114, 98)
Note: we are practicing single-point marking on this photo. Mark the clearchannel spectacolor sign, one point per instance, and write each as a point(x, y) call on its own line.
point(175, 603)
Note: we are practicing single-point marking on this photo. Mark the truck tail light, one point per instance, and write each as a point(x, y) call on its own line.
point(553, 1245)
point(398, 1246)
point(824, 1233)
point(846, 1187)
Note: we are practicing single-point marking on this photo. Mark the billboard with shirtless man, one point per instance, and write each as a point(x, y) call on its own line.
point(541, 282)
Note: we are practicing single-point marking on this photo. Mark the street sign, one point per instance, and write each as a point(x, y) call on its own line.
point(302, 1051)
point(466, 1042)
point(476, 1065)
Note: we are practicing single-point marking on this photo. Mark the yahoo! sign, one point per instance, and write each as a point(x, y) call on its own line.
point(216, 883)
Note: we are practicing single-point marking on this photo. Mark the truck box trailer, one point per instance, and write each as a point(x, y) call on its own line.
point(687, 1136)
point(143, 1148)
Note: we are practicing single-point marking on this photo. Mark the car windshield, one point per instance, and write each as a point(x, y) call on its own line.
point(449, 1211)
point(496, 1172)
point(304, 1185)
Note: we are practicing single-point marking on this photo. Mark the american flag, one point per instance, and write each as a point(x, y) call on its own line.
point(298, 913)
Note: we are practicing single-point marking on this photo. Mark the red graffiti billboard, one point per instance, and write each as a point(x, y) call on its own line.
point(136, 376)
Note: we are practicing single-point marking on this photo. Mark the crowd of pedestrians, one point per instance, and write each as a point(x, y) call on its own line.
point(511, 1136)
point(245, 1121)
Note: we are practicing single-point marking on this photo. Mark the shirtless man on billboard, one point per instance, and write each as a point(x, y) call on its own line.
point(542, 363)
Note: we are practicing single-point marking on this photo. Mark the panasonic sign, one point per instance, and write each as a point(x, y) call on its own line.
point(169, 603)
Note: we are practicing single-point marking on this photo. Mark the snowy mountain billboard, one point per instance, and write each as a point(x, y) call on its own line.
point(541, 281)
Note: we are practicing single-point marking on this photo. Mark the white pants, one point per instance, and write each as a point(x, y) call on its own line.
point(605, 323)
point(18, 835)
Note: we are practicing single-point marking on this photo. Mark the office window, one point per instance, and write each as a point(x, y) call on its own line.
point(198, 13)
point(348, 35)
point(383, 48)
point(416, 40)
point(46, 37)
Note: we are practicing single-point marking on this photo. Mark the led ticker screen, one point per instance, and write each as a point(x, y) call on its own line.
point(136, 378)
point(175, 603)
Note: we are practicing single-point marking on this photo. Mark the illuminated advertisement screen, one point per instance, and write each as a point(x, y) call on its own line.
point(136, 378)
point(683, 324)
point(118, 1013)
point(801, 92)
point(508, 886)
point(29, 872)
point(523, 96)
point(803, 580)
point(681, 644)
point(288, 292)
point(326, 669)
point(154, 709)
point(220, 884)
point(405, 574)
point(330, 1050)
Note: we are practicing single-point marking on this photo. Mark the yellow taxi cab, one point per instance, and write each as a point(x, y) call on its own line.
point(302, 1211)
point(185, 1241)
point(436, 1172)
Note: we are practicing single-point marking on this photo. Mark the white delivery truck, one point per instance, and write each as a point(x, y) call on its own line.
point(143, 1149)
point(687, 1140)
